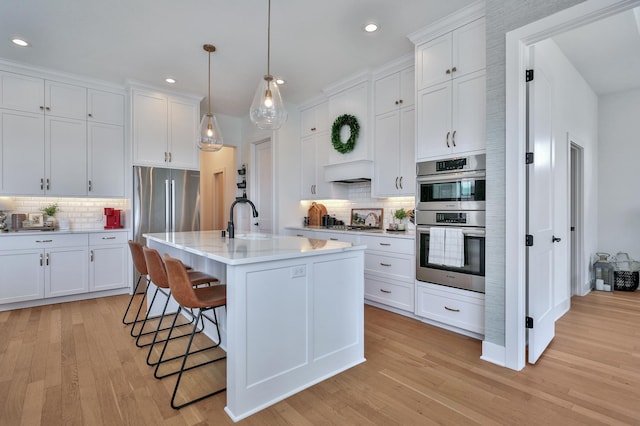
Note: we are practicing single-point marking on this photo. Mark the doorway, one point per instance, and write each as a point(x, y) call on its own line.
point(262, 192)
point(578, 285)
point(217, 187)
point(517, 46)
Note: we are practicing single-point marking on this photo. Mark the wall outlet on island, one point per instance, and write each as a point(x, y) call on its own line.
point(298, 271)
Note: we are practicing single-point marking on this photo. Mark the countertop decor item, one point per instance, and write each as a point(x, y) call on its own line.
point(371, 218)
point(316, 211)
point(354, 129)
point(6, 204)
point(210, 138)
point(400, 214)
point(267, 109)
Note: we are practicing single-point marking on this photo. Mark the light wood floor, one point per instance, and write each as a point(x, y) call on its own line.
point(75, 363)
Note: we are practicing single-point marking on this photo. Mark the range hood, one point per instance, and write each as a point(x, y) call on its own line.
point(351, 172)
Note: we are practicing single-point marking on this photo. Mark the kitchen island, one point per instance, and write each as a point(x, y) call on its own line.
point(294, 313)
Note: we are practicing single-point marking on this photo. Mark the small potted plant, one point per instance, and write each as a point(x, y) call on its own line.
point(50, 212)
point(401, 215)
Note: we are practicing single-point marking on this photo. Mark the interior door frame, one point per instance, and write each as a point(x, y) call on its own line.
point(253, 184)
point(517, 44)
point(576, 215)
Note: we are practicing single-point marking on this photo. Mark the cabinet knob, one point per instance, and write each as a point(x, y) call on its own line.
point(397, 102)
point(313, 129)
point(90, 115)
point(447, 72)
point(41, 107)
point(400, 101)
point(454, 69)
point(48, 109)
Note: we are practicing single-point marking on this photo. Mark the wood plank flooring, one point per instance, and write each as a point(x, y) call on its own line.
point(75, 364)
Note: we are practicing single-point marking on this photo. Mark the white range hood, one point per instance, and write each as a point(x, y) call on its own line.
point(351, 172)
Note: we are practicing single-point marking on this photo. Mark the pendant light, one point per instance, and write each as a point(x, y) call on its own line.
point(210, 138)
point(267, 109)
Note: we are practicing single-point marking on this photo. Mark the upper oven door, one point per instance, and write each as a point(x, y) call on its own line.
point(462, 191)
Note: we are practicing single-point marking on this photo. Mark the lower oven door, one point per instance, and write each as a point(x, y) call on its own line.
point(468, 277)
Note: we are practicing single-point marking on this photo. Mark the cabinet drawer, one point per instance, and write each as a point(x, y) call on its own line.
point(454, 308)
point(101, 238)
point(396, 266)
point(389, 244)
point(43, 240)
point(338, 236)
point(396, 294)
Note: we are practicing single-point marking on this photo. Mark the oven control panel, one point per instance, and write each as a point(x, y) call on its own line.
point(448, 165)
point(451, 218)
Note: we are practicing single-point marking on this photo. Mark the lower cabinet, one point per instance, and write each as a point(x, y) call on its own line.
point(451, 306)
point(108, 261)
point(48, 265)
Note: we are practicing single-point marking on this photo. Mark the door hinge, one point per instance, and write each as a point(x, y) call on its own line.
point(528, 159)
point(528, 76)
point(528, 322)
point(528, 240)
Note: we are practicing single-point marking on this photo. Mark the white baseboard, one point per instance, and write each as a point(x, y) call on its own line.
point(494, 354)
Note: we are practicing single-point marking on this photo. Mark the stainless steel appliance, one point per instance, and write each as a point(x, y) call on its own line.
point(451, 193)
point(165, 200)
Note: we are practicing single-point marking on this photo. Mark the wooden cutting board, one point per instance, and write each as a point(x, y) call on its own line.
point(316, 211)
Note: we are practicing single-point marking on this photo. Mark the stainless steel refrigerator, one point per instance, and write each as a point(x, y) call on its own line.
point(165, 200)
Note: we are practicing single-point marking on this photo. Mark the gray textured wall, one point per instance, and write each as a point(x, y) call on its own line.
point(502, 16)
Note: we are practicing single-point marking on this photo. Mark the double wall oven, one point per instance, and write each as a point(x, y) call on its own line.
point(451, 194)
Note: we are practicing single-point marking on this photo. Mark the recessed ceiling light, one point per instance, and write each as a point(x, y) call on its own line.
point(170, 80)
point(20, 42)
point(371, 27)
point(280, 81)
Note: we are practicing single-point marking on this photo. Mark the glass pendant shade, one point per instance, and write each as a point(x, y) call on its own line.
point(210, 135)
point(267, 109)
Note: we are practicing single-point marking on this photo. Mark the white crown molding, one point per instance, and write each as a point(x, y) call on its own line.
point(309, 103)
point(396, 65)
point(449, 23)
point(363, 76)
point(134, 84)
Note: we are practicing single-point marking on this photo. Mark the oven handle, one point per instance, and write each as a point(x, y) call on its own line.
point(476, 232)
point(451, 177)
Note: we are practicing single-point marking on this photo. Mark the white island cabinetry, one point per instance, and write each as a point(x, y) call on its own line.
point(108, 253)
point(294, 313)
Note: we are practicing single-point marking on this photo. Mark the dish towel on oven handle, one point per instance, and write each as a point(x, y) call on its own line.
point(436, 246)
point(454, 247)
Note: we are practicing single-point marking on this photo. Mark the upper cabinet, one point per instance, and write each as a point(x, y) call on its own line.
point(165, 130)
point(394, 134)
point(451, 92)
point(315, 120)
point(45, 136)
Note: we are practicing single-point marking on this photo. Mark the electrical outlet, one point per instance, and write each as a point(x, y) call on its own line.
point(298, 271)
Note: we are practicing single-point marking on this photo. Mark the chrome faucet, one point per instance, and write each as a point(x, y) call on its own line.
point(230, 228)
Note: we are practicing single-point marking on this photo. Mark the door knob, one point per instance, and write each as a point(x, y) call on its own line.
point(555, 239)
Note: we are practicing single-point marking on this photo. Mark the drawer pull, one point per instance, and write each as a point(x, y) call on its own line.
point(385, 244)
point(91, 256)
point(385, 291)
point(47, 259)
point(333, 239)
point(385, 264)
point(451, 309)
point(40, 260)
point(108, 238)
point(44, 241)
point(299, 235)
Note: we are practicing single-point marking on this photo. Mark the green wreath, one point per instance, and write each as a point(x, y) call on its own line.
point(354, 127)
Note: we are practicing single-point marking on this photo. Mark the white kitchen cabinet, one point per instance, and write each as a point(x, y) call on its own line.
point(314, 119)
point(65, 100)
point(452, 55)
point(105, 160)
point(165, 130)
point(108, 261)
point(105, 107)
point(395, 91)
point(65, 168)
point(314, 156)
point(451, 117)
point(394, 135)
point(394, 167)
point(389, 271)
point(21, 276)
point(451, 307)
point(42, 265)
point(37, 266)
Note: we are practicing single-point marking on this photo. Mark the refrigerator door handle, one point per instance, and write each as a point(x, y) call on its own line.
point(167, 212)
point(173, 205)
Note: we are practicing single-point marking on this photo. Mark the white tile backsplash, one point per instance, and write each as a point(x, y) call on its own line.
point(360, 197)
point(82, 213)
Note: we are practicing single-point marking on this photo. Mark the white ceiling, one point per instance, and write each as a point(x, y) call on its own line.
point(313, 44)
point(607, 52)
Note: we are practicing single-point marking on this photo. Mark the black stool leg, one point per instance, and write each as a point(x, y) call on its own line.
point(135, 292)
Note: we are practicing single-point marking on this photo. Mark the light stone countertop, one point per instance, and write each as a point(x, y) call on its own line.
point(61, 232)
point(408, 234)
point(249, 248)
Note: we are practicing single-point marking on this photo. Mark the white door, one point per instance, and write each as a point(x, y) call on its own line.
point(263, 196)
point(540, 220)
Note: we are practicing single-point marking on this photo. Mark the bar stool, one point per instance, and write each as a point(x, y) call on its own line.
point(141, 268)
point(204, 299)
point(158, 276)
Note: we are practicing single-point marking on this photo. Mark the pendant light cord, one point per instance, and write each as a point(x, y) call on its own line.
point(209, 81)
point(269, 39)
